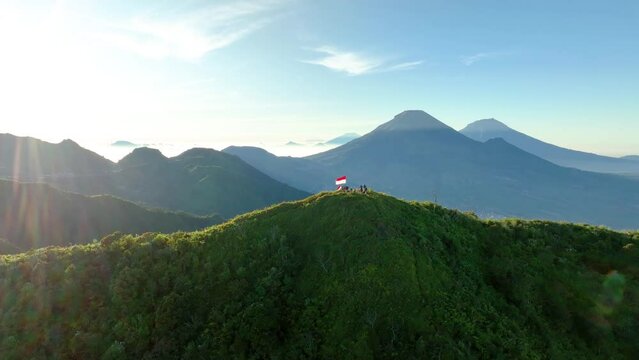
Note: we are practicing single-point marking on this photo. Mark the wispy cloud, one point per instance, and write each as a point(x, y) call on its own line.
point(470, 60)
point(191, 35)
point(405, 66)
point(355, 63)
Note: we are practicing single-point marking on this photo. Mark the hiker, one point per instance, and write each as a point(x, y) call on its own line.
point(365, 189)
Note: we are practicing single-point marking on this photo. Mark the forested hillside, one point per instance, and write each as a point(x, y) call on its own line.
point(37, 215)
point(338, 275)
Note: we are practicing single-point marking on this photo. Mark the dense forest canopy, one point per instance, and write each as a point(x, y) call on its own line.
point(337, 275)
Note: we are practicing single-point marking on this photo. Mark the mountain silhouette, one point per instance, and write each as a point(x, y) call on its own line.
point(142, 156)
point(29, 159)
point(487, 129)
point(124, 143)
point(342, 139)
point(300, 173)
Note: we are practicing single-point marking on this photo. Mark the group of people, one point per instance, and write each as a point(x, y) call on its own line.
point(362, 189)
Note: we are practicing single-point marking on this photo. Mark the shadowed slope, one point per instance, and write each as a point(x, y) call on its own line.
point(300, 173)
point(37, 215)
point(201, 181)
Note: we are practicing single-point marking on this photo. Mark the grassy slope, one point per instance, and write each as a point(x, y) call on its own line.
point(333, 276)
point(37, 215)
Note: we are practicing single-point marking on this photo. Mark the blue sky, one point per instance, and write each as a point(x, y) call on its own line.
point(270, 71)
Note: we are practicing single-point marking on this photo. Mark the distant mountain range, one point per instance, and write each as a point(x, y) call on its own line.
point(38, 215)
point(124, 143)
point(199, 181)
point(415, 156)
point(487, 129)
point(342, 139)
point(297, 172)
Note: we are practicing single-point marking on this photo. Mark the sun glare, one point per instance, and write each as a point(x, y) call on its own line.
point(54, 84)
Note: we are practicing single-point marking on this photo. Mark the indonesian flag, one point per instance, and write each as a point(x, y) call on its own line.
point(340, 180)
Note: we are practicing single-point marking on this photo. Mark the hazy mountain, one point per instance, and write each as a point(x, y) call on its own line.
point(631, 157)
point(415, 156)
point(300, 173)
point(336, 276)
point(38, 215)
point(342, 139)
point(200, 181)
point(418, 157)
point(28, 159)
point(487, 129)
point(124, 143)
point(292, 143)
point(142, 156)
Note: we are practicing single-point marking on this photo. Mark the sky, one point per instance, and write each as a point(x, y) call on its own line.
point(265, 72)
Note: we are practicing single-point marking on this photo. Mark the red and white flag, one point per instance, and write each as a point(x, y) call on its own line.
point(340, 180)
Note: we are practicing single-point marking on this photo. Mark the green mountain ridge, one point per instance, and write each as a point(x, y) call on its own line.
point(38, 215)
point(337, 275)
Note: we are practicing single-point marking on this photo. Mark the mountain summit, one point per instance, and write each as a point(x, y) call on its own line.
point(30, 159)
point(487, 129)
point(142, 156)
point(412, 120)
point(480, 127)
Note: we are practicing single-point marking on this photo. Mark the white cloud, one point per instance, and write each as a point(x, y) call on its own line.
point(469, 60)
point(354, 63)
point(405, 65)
point(191, 35)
